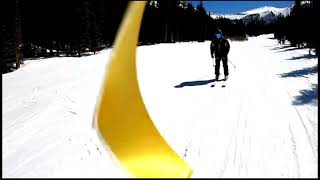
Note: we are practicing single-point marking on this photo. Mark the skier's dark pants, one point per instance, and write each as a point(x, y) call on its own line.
point(225, 66)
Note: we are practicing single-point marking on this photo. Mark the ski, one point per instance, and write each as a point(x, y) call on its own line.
point(214, 83)
point(224, 84)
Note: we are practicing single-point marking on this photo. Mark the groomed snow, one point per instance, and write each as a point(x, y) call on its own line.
point(264, 123)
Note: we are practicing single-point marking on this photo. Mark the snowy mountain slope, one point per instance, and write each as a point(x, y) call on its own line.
point(263, 12)
point(263, 124)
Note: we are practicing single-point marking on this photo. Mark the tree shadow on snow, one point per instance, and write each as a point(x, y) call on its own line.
point(292, 49)
point(195, 83)
point(301, 72)
point(305, 56)
point(309, 96)
point(281, 47)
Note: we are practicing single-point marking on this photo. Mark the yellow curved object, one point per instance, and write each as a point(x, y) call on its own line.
point(121, 118)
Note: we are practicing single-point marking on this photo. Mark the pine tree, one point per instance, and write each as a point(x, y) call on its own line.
point(18, 35)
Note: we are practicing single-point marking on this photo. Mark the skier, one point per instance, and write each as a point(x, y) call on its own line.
point(219, 49)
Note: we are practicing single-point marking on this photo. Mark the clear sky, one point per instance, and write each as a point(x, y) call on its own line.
point(233, 7)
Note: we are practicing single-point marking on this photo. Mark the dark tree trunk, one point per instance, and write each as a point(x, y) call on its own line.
point(18, 42)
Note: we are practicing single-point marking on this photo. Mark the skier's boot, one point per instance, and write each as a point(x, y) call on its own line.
point(217, 78)
point(225, 78)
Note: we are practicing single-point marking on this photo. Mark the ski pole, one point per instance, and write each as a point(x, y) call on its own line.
point(213, 61)
point(231, 63)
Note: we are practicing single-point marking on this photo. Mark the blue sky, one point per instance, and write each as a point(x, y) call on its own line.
point(233, 7)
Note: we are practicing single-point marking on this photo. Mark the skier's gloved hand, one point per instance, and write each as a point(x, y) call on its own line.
point(212, 56)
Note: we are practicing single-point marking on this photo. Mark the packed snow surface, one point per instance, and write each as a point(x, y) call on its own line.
point(264, 123)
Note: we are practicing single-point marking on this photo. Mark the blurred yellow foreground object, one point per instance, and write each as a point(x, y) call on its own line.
point(121, 118)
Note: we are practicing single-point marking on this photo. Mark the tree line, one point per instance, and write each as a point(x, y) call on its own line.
point(301, 27)
point(35, 28)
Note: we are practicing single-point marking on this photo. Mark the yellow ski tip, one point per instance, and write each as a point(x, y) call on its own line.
point(121, 119)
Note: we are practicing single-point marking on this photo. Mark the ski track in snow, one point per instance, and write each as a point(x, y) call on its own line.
point(262, 124)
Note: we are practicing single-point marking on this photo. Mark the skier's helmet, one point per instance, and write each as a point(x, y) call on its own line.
point(218, 34)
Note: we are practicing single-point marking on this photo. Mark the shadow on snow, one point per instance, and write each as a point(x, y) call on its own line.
point(195, 83)
point(292, 49)
point(281, 47)
point(305, 56)
point(301, 72)
point(309, 96)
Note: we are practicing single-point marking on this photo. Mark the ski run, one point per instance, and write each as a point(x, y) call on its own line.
point(264, 123)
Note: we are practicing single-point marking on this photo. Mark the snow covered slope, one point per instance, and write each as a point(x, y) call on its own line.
point(263, 124)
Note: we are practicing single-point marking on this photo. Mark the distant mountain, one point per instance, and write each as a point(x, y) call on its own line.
point(267, 13)
point(266, 10)
point(228, 16)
